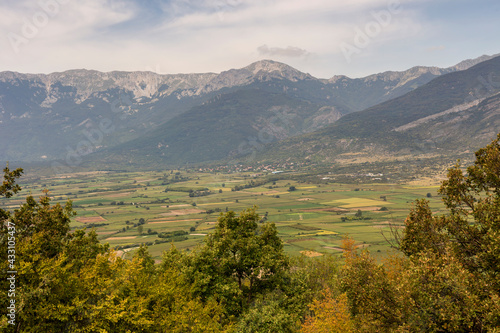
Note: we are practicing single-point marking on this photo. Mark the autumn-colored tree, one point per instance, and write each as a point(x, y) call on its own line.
point(330, 314)
point(373, 297)
point(448, 279)
point(51, 263)
point(464, 243)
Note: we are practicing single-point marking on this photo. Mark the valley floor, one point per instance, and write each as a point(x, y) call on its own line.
point(132, 208)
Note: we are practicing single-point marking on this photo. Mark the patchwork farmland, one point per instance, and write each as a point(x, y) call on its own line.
point(127, 209)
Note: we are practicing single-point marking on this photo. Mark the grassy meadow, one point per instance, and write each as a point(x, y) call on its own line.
point(130, 208)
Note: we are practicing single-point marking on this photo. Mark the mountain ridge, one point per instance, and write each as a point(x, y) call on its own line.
point(456, 112)
point(58, 109)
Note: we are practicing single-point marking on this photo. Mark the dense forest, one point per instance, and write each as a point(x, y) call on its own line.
point(442, 277)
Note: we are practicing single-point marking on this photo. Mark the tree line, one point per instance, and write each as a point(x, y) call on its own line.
point(444, 276)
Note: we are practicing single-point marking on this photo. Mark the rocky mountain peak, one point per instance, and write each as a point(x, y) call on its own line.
point(463, 65)
point(417, 71)
point(276, 69)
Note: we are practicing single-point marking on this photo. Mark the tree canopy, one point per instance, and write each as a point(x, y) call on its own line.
point(445, 277)
point(448, 277)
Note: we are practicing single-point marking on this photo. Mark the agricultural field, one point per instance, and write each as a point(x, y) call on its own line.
point(155, 208)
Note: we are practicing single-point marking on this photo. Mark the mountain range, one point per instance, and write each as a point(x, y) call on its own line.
point(452, 115)
point(267, 110)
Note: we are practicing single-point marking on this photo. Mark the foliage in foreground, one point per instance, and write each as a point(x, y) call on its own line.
point(445, 279)
point(448, 279)
point(240, 280)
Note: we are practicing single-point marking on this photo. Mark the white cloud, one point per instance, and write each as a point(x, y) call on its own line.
point(211, 35)
point(289, 51)
point(56, 24)
point(436, 48)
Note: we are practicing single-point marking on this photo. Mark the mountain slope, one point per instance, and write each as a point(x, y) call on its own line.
point(453, 113)
point(50, 116)
point(231, 124)
point(362, 93)
point(439, 95)
point(77, 112)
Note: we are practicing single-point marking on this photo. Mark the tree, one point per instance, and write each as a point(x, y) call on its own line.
point(238, 261)
point(267, 315)
point(69, 282)
point(448, 279)
point(467, 238)
point(9, 186)
point(330, 315)
point(49, 260)
point(140, 229)
point(373, 297)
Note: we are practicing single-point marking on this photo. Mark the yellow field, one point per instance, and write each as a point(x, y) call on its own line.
point(215, 203)
point(311, 254)
point(320, 233)
point(413, 187)
point(326, 232)
point(357, 202)
point(217, 188)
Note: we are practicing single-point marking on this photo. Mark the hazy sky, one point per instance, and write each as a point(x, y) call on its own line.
point(320, 37)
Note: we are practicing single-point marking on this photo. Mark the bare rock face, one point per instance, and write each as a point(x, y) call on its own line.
point(81, 84)
point(392, 84)
point(149, 84)
point(466, 64)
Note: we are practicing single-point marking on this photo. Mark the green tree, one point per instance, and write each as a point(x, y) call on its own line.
point(49, 260)
point(267, 315)
point(240, 260)
point(69, 282)
point(9, 186)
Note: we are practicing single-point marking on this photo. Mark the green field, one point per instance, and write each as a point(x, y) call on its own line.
point(313, 217)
